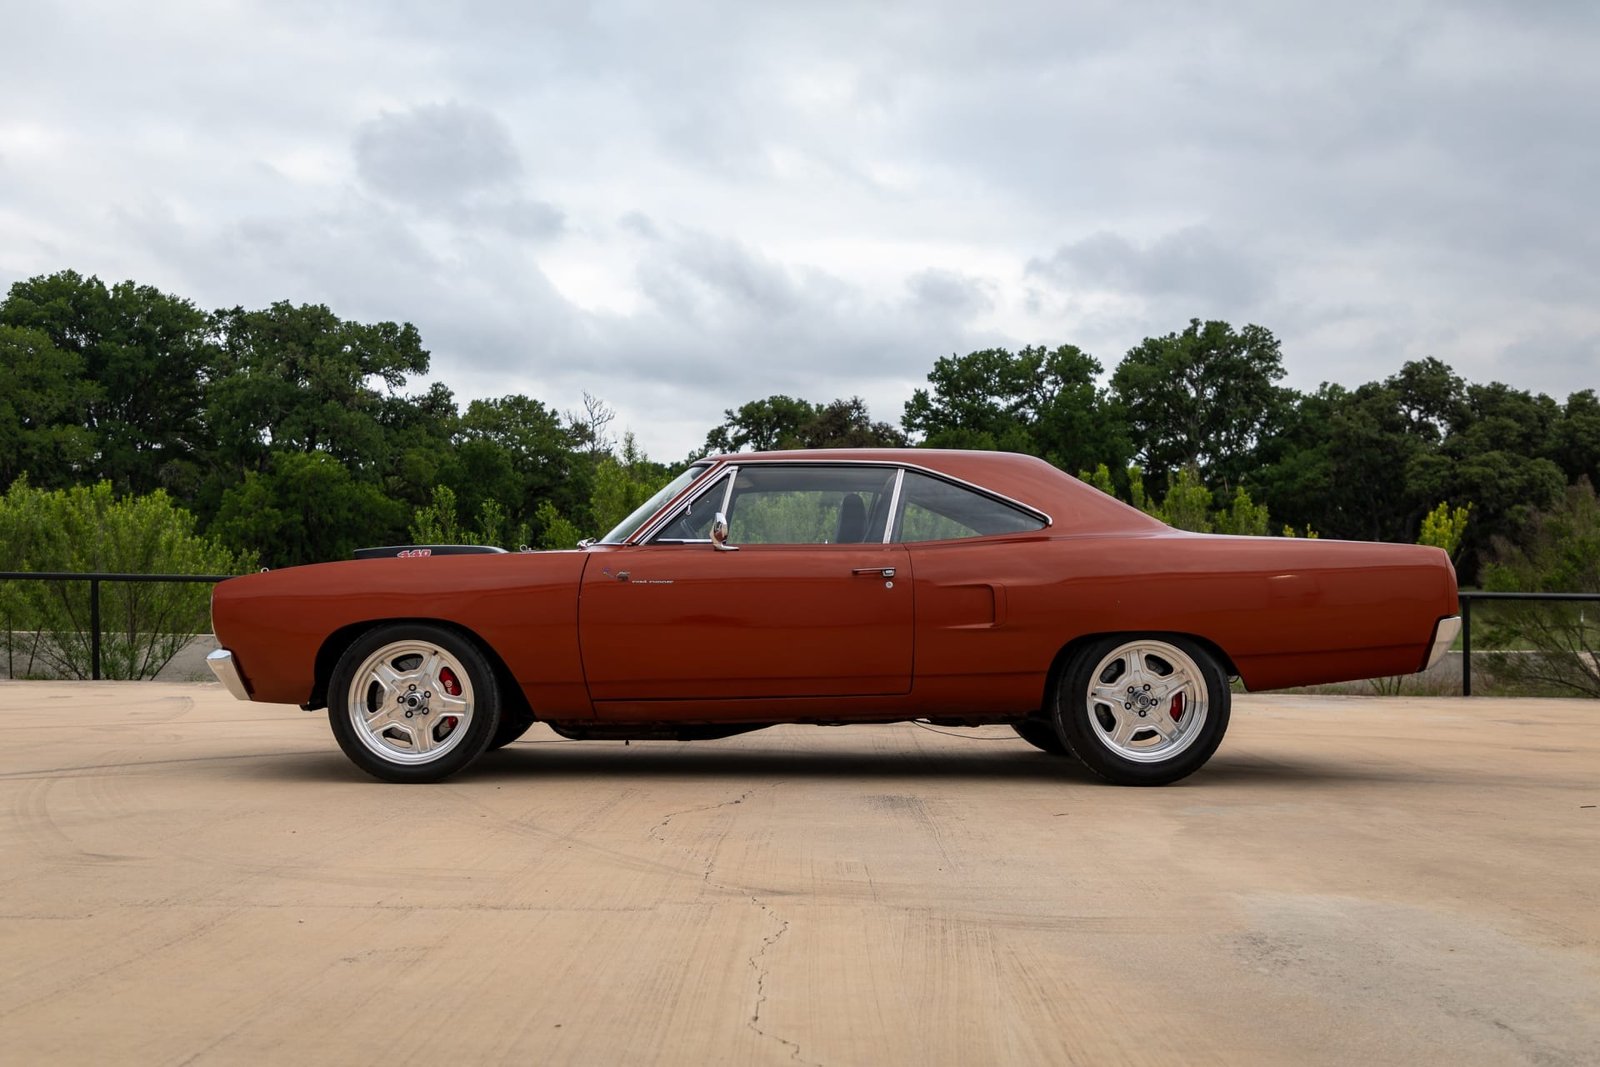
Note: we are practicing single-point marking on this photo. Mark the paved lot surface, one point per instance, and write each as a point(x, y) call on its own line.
point(190, 879)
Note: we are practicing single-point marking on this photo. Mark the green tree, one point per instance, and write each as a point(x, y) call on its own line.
point(622, 483)
point(44, 401)
point(1575, 440)
point(1202, 398)
point(845, 423)
point(306, 508)
point(783, 422)
point(90, 528)
point(300, 379)
point(1042, 402)
point(1559, 553)
point(555, 530)
point(1243, 516)
point(1444, 526)
point(517, 452)
point(149, 356)
point(761, 426)
point(1187, 503)
point(436, 523)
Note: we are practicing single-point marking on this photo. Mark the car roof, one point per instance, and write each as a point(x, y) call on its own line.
point(1072, 505)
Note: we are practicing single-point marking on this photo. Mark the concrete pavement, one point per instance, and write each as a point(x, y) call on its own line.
point(191, 879)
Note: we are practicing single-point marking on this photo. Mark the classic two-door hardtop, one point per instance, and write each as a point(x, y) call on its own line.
point(830, 587)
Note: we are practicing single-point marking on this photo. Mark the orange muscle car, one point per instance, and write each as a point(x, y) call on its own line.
point(829, 587)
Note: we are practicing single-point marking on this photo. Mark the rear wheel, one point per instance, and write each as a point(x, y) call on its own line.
point(412, 702)
point(1041, 735)
point(1143, 710)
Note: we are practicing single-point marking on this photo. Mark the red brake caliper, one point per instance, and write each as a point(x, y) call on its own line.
point(451, 685)
point(1176, 708)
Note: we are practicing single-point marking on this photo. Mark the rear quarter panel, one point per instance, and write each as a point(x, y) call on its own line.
point(523, 605)
point(1283, 611)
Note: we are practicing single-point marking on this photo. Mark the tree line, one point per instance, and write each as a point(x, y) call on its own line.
point(292, 435)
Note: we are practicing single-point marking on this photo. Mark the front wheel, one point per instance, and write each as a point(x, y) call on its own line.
point(411, 702)
point(1143, 710)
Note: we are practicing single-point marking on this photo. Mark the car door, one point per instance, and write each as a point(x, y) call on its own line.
point(806, 601)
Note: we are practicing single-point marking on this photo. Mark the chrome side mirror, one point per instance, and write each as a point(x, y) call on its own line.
point(719, 534)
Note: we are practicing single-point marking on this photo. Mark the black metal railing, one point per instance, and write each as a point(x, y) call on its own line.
point(94, 578)
point(1467, 600)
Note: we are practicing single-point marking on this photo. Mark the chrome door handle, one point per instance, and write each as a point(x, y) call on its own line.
point(887, 572)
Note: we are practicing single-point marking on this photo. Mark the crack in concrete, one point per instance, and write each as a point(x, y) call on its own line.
point(762, 974)
point(757, 964)
point(711, 860)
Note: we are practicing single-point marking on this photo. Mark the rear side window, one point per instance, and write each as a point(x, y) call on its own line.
point(932, 509)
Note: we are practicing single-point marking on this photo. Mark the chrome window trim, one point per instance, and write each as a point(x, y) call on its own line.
point(900, 465)
point(687, 499)
point(894, 505)
point(665, 509)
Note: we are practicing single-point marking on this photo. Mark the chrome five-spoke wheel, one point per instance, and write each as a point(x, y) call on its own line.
point(410, 702)
point(1143, 710)
point(413, 702)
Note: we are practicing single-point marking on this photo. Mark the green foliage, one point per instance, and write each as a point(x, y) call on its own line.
point(1187, 504)
point(1243, 516)
point(1100, 478)
point(622, 483)
point(436, 523)
point(1309, 533)
point(1136, 491)
point(782, 422)
point(44, 406)
point(1042, 402)
point(299, 379)
point(292, 431)
point(90, 528)
point(306, 508)
point(556, 531)
point(1202, 398)
point(148, 356)
point(1559, 554)
point(1444, 526)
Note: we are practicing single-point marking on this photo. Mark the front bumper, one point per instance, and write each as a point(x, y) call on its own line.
point(223, 666)
point(1444, 635)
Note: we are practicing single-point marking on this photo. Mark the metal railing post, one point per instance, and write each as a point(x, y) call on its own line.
point(1466, 646)
point(94, 627)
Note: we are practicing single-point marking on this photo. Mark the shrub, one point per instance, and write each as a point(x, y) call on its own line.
point(88, 528)
point(1560, 554)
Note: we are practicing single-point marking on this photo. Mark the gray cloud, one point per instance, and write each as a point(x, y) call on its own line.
point(435, 153)
point(1192, 262)
point(684, 208)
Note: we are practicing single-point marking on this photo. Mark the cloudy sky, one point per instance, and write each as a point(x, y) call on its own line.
point(679, 207)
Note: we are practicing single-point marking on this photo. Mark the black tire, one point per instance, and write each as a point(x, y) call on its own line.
point(514, 722)
point(412, 702)
point(1143, 709)
point(1041, 735)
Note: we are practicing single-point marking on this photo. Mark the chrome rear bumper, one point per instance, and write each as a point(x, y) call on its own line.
point(1444, 635)
point(227, 672)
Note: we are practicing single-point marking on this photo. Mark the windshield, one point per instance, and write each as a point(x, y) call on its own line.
point(630, 525)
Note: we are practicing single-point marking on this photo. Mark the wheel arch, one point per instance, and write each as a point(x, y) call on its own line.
point(1070, 649)
point(511, 695)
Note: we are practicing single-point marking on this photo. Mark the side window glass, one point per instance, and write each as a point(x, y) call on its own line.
point(693, 520)
point(809, 505)
point(935, 510)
